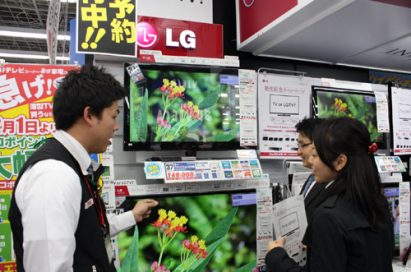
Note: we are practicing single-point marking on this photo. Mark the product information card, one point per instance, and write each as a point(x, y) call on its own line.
point(282, 102)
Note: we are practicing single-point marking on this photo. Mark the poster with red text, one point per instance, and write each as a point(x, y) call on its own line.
point(26, 92)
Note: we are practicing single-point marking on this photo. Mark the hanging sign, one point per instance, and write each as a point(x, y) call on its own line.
point(106, 27)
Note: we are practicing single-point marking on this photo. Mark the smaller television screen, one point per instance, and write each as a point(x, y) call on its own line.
point(179, 107)
point(330, 102)
point(393, 195)
point(222, 225)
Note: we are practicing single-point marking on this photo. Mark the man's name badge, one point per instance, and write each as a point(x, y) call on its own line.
point(89, 203)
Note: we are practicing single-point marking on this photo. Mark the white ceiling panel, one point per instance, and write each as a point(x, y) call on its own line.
point(393, 54)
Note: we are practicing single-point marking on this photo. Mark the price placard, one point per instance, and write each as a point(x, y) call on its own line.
point(212, 170)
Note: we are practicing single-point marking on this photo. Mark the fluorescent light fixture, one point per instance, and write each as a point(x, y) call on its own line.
point(66, 1)
point(31, 56)
point(30, 35)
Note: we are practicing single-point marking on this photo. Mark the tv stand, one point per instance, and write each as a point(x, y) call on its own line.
point(190, 153)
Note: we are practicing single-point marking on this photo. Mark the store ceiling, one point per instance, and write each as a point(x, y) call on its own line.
point(31, 16)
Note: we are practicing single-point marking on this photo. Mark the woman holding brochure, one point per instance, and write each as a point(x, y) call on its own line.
point(350, 230)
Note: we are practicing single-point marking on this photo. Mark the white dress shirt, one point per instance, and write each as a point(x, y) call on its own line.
point(49, 198)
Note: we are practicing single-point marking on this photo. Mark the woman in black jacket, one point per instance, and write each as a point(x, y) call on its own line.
point(351, 229)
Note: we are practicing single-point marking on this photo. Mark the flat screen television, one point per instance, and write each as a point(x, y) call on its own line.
point(226, 221)
point(393, 196)
point(332, 102)
point(182, 108)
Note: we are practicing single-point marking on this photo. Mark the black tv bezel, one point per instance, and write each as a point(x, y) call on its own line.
point(131, 200)
point(383, 143)
point(170, 146)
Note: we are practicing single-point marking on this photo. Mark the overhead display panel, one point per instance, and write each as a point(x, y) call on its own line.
point(366, 34)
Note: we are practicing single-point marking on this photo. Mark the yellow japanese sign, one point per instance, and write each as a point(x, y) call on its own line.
point(106, 27)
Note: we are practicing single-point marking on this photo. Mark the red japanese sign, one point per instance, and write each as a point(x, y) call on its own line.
point(179, 38)
point(26, 120)
point(26, 113)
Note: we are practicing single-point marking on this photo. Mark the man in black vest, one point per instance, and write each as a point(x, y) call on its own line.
point(310, 189)
point(57, 217)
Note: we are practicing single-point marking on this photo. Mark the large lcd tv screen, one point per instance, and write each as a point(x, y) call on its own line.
point(182, 108)
point(331, 102)
point(211, 233)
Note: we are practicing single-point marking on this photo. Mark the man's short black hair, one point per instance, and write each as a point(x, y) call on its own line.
point(89, 86)
point(306, 127)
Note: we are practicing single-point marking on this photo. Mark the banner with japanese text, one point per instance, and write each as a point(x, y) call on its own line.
point(106, 27)
point(26, 92)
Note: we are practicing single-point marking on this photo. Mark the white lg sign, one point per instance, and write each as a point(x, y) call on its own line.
point(187, 39)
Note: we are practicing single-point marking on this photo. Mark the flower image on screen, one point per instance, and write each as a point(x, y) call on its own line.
point(197, 233)
point(184, 105)
point(343, 103)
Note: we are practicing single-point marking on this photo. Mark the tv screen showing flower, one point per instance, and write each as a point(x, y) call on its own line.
point(179, 106)
point(215, 232)
point(331, 102)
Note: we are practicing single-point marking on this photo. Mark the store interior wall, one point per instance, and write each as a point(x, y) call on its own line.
point(129, 164)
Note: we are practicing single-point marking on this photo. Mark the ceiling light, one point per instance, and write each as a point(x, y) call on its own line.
point(30, 35)
point(31, 56)
point(66, 1)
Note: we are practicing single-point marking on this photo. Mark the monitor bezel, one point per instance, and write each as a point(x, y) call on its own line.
point(188, 146)
point(381, 145)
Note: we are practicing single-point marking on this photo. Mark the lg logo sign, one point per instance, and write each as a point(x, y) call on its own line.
point(187, 39)
point(248, 3)
point(147, 36)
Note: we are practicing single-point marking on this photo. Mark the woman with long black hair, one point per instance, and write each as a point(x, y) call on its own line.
point(351, 229)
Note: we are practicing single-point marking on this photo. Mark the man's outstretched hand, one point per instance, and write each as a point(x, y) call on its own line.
point(142, 209)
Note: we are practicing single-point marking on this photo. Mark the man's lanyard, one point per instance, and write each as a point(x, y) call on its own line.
point(99, 208)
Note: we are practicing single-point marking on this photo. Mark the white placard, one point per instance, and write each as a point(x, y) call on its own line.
point(290, 221)
point(264, 228)
point(246, 154)
point(383, 121)
point(108, 196)
point(248, 107)
point(282, 102)
point(401, 120)
point(342, 84)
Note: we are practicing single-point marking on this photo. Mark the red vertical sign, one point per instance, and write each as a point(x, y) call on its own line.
point(255, 14)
